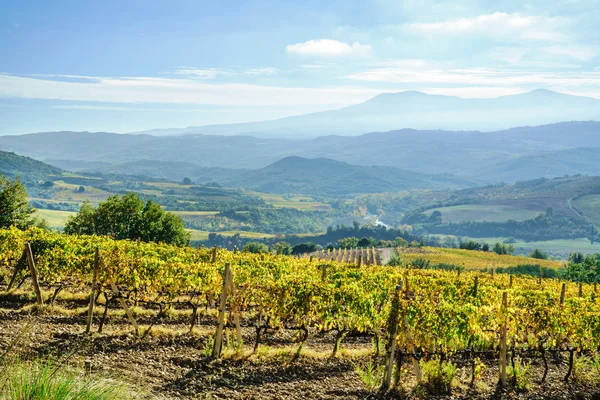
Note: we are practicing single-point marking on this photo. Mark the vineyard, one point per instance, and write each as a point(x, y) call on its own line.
point(359, 257)
point(244, 300)
point(470, 259)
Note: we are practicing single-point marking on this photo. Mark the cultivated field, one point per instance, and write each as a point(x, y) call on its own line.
point(503, 210)
point(469, 259)
point(589, 205)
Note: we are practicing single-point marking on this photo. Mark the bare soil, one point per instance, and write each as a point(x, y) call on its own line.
point(172, 363)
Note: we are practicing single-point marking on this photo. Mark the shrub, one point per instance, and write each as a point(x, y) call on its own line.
point(255, 247)
point(519, 375)
point(395, 261)
point(370, 374)
point(438, 376)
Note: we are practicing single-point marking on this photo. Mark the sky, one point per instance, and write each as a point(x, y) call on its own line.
point(127, 66)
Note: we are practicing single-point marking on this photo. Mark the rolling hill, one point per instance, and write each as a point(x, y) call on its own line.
point(582, 160)
point(323, 176)
point(173, 171)
point(13, 165)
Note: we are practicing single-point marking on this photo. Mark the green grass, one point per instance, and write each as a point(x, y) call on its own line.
point(45, 381)
point(55, 218)
point(194, 213)
point(485, 212)
point(589, 205)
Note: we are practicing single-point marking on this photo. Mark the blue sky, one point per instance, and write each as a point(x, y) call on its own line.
point(126, 66)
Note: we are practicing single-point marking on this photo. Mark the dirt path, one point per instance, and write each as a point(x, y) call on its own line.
point(581, 214)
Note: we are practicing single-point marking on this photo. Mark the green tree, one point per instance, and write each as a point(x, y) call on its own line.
point(282, 248)
point(187, 181)
point(348, 243)
point(128, 217)
point(14, 207)
point(537, 253)
point(255, 247)
point(307, 247)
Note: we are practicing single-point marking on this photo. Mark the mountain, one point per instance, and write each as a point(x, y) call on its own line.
point(322, 176)
point(416, 110)
point(582, 160)
point(27, 169)
point(472, 154)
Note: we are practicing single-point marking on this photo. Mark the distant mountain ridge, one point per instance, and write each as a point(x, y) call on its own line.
point(415, 110)
point(481, 156)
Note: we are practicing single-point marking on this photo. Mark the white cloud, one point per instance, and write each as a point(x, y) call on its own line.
point(178, 91)
point(212, 73)
point(582, 53)
point(209, 73)
point(485, 82)
point(497, 24)
point(261, 71)
point(329, 48)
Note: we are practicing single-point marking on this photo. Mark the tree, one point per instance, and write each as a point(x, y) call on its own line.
point(348, 243)
point(255, 247)
point(537, 253)
point(128, 217)
point(14, 207)
point(187, 181)
point(81, 189)
point(365, 242)
point(307, 247)
point(282, 248)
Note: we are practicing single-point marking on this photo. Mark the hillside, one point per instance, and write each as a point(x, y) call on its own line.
point(478, 155)
point(168, 170)
point(582, 160)
point(323, 176)
point(417, 110)
point(28, 169)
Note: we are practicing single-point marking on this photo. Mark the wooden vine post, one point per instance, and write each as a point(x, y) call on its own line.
point(411, 348)
point(88, 325)
point(511, 282)
point(218, 343)
point(503, 329)
point(580, 289)
point(34, 276)
point(132, 320)
point(359, 260)
point(475, 286)
point(235, 309)
point(391, 346)
point(562, 293)
point(214, 254)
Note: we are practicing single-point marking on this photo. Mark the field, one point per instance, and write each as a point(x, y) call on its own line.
point(55, 218)
point(589, 205)
point(294, 328)
point(68, 192)
point(558, 246)
point(503, 210)
point(485, 212)
point(203, 235)
point(469, 259)
point(303, 203)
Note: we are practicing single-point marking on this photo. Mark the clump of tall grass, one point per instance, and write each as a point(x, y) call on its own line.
point(43, 380)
